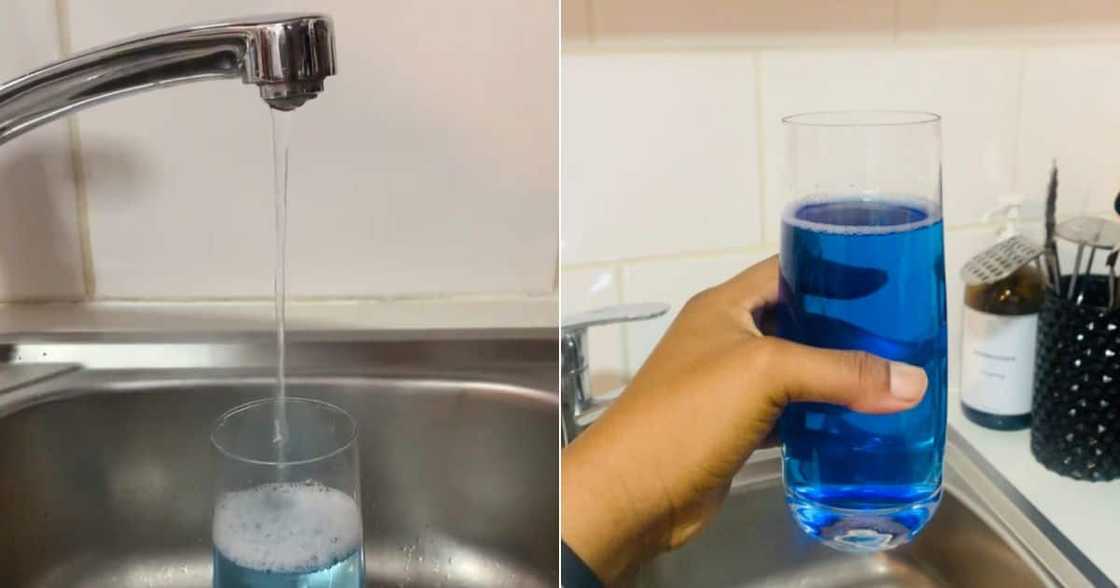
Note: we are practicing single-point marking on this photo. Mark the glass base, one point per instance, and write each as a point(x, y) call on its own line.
point(862, 531)
point(999, 422)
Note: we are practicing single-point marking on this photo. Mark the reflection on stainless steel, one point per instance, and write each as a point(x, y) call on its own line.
point(286, 56)
point(105, 476)
point(984, 534)
point(512, 348)
point(12, 376)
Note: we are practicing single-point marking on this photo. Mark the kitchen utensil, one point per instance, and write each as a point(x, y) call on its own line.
point(1087, 232)
point(1110, 261)
point(1052, 267)
point(1000, 260)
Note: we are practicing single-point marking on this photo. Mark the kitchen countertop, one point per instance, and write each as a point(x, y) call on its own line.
point(70, 321)
point(1087, 513)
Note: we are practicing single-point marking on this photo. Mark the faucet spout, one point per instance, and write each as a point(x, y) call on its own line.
point(286, 56)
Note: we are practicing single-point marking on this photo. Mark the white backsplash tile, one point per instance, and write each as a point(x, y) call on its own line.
point(30, 38)
point(584, 289)
point(40, 251)
point(673, 281)
point(427, 167)
point(659, 154)
point(974, 90)
point(1070, 115)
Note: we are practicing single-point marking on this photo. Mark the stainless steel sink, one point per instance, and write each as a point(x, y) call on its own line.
point(105, 474)
point(983, 535)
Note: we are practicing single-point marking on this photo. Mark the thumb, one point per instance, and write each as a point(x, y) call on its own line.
point(856, 379)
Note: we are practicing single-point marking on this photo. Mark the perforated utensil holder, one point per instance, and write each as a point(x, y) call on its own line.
point(1075, 416)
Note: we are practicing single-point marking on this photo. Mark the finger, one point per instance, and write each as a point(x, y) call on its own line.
point(758, 283)
point(858, 380)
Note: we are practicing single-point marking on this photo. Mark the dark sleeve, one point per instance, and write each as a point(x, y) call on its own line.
point(573, 572)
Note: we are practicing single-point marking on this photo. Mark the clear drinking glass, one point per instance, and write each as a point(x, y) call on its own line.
point(862, 268)
point(287, 515)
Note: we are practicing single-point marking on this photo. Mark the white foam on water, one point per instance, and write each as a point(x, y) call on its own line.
point(288, 527)
point(931, 209)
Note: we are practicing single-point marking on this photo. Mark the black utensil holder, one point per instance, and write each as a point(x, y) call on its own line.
point(1075, 414)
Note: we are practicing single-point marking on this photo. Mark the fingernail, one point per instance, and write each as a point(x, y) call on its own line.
point(907, 382)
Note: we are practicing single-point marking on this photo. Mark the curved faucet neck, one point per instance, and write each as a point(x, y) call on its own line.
point(286, 56)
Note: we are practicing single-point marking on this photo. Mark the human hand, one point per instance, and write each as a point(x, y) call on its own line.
point(656, 466)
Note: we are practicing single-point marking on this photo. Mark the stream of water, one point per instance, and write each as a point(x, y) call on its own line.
point(281, 130)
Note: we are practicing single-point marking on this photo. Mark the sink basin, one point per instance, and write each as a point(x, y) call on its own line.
point(984, 534)
point(105, 476)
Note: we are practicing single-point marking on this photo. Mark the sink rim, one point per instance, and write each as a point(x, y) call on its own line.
point(71, 383)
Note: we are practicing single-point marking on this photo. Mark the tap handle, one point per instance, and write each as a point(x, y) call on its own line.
point(575, 393)
point(622, 313)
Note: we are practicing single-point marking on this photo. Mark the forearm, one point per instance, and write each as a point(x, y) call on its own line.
point(602, 521)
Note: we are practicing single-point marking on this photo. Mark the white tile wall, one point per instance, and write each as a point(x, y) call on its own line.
point(975, 91)
point(583, 289)
point(1070, 113)
point(40, 252)
point(428, 167)
point(659, 154)
point(674, 281)
point(1016, 83)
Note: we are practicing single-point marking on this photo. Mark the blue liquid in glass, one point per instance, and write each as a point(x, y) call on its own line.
point(288, 535)
point(865, 273)
point(345, 573)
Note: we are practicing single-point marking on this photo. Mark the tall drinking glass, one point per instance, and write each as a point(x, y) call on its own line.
point(862, 268)
point(287, 516)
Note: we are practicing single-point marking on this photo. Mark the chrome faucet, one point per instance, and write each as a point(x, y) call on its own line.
point(286, 56)
point(577, 406)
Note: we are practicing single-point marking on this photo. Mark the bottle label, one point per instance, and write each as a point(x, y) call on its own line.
point(997, 362)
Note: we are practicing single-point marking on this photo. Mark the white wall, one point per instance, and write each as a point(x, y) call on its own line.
point(427, 169)
point(672, 145)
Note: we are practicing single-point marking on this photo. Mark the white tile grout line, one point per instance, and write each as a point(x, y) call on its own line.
point(1018, 142)
point(623, 329)
point(404, 299)
point(89, 279)
point(765, 247)
point(760, 148)
point(681, 255)
point(742, 42)
point(77, 166)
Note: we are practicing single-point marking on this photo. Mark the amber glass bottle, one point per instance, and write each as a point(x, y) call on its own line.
point(998, 349)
